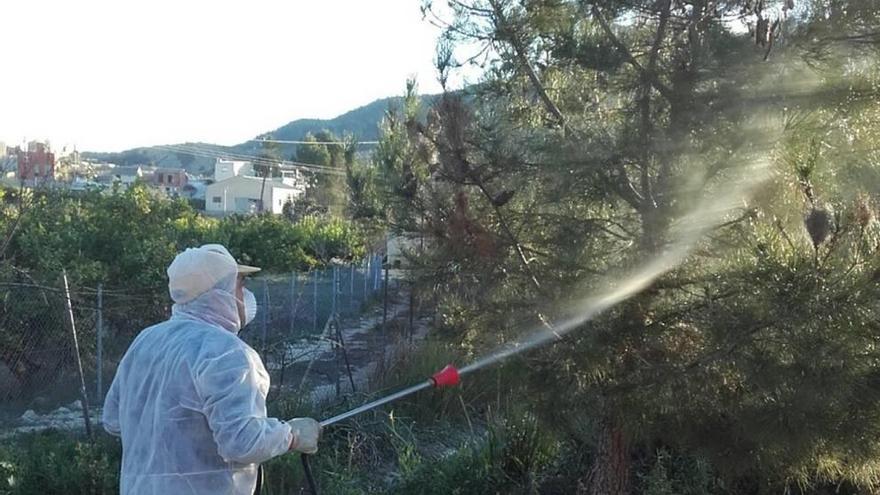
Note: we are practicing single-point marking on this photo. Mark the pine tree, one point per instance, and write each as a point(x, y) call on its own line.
point(596, 127)
point(324, 149)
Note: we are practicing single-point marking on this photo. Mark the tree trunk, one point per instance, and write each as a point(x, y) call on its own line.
point(610, 472)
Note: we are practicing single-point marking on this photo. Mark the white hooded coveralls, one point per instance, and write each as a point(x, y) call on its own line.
point(189, 401)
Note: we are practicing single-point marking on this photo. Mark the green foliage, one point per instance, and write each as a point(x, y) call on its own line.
point(399, 164)
point(590, 137)
point(333, 238)
point(266, 164)
point(132, 236)
point(664, 473)
point(55, 462)
point(323, 149)
point(284, 475)
point(364, 202)
point(313, 152)
point(125, 241)
point(272, 241)
point(511, 459)
point(101, 237)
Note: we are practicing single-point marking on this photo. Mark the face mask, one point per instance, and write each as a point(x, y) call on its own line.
point(250, 307)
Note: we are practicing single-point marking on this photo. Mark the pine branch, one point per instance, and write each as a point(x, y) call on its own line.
point(650, 76)
point(626, 190)
point(647, 124)
point(520, 51)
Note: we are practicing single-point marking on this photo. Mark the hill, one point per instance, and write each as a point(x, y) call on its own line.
point(195, 157)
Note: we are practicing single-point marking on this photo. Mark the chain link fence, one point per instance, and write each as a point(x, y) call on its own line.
point(37, 352)
point(300, 316)
point(38, 365)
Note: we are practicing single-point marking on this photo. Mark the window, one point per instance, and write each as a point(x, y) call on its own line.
point(170, 180)
point(246, 205)
point(161, 177)
point(216, 200)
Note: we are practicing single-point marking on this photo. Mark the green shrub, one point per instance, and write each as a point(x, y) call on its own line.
point(58, 462)
point(129, 238)
point(666, 472)
point(511, 459)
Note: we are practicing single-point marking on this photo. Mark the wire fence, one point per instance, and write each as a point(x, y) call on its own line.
point(300, 316)
point(38, 366)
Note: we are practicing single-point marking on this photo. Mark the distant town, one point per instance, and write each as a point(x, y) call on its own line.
point(235, 187)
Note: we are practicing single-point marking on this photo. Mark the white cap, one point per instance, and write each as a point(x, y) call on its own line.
point(198, 270)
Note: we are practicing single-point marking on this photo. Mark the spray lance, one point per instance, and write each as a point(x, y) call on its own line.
point(447, 377)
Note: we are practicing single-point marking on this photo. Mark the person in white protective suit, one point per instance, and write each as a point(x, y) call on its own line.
point(189, 396)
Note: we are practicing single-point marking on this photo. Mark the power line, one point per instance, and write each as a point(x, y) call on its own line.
point(194, 149)
point(207, 153)
point(213, 153)
point(342, 143)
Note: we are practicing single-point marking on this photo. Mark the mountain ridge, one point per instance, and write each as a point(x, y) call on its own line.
point(361, 122)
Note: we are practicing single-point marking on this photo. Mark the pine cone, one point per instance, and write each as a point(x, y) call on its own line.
point(503, 198)
point(864, 212)
point(819, 223)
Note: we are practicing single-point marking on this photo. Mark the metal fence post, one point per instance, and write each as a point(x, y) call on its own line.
point(292, 301)
point(315, 298)
point(99, 365)
point(351, 291)
point(380, 267)
point(79, 366)
point(385, 308)
point(412, 309)
point(366, 278)
point(333, 291)
point(377, 271)
point(264, 321)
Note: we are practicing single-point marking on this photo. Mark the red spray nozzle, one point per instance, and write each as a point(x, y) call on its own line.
point(447, 377)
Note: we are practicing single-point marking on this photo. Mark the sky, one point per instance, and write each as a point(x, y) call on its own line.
point(108, 75)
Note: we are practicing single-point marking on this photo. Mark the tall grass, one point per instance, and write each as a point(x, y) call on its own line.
point(58, 462)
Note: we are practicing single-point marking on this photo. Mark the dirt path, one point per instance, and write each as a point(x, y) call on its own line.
point(366, 345)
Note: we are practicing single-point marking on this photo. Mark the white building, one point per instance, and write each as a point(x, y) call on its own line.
point(225, 169)
point(241, 194)
point(125, 176)
point(2, 149)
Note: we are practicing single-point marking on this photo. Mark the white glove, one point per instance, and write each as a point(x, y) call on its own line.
point(306, 432)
